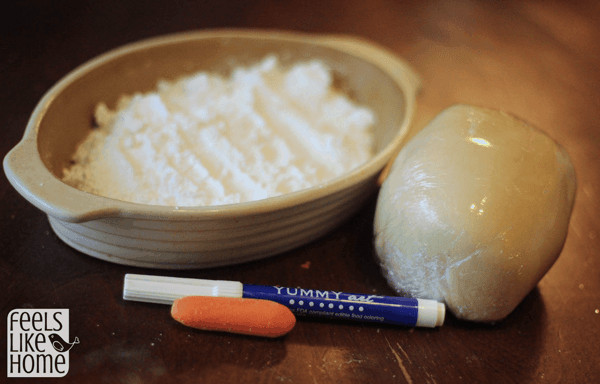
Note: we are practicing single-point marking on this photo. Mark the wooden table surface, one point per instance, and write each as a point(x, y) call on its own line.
point(539, 60)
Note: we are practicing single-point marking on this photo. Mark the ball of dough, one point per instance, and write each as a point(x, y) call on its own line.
point(474, 212)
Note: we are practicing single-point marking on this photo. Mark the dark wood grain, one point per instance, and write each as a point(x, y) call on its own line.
point(539, 60)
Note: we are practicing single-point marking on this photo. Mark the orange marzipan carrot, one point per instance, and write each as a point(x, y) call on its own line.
point(235, 315)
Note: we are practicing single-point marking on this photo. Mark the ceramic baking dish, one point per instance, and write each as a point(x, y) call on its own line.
point(206, 236)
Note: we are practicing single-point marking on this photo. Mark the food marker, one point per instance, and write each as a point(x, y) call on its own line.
point(302, 302)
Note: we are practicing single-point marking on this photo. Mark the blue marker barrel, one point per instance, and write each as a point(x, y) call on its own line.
point(351, 306)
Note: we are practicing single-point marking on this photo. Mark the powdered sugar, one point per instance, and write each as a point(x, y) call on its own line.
point(209, 140)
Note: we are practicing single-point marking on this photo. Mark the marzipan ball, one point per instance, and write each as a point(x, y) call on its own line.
point(474, 212)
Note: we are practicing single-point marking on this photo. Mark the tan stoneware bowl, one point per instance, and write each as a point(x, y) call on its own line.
point(206, 236)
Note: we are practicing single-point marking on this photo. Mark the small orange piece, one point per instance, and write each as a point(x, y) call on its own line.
point(254, 317)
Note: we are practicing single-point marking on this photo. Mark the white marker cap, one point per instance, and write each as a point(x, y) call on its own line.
point(165, 290)
point(431, 313)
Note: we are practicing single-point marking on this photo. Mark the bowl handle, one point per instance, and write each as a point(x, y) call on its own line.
point(27, 173)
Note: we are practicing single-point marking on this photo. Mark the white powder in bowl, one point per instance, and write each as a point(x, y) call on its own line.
point(207, 140)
